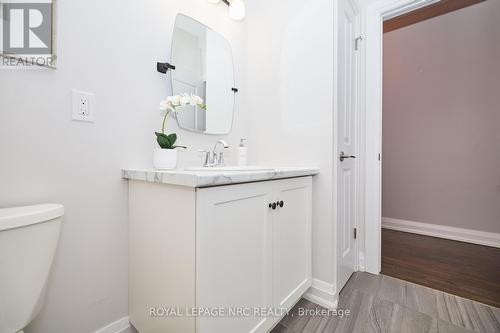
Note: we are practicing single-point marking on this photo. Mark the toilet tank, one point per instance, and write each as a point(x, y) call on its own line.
point(28, 241)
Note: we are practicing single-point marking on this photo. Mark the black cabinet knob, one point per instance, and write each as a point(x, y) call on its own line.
point(276, 204)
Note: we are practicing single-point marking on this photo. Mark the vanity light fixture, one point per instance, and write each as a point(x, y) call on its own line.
point(236, 8)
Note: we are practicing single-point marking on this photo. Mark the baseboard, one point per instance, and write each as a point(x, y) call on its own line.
point(361, 262)
point(441, 231)
point(323, 294)
point(115, 327)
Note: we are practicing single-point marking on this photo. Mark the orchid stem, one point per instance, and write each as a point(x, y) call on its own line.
point(164, 121)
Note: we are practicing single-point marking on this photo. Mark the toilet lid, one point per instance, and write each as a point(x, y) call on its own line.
point(16, 217)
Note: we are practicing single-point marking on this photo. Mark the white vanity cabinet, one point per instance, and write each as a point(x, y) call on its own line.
point(222, 251)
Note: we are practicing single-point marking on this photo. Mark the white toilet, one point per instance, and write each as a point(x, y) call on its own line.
point(28, 241)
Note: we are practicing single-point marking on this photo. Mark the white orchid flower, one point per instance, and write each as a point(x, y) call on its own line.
point(185, 99)
point(196, 100)
point(172, 102)
point(164, 106)
point(176, 100)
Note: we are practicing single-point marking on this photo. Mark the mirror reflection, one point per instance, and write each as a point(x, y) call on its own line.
point(204, 67)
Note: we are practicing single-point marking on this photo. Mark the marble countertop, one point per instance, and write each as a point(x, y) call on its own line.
point(182, 177)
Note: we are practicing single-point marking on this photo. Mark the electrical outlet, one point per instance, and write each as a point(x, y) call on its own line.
point(83, 106)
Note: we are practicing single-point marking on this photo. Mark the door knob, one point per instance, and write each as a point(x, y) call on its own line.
point(344, 156)
point(272, 205)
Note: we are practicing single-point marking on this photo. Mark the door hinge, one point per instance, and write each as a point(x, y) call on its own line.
point(379, 156)
point(356, 42)
point(355, 233)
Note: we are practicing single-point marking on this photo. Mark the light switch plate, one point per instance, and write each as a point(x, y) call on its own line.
point(83, 106)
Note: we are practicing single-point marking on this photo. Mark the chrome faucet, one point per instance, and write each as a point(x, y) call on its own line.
point(212, 159)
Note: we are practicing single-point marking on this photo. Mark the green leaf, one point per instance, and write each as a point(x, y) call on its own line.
point(172, 137)
point(163, 140)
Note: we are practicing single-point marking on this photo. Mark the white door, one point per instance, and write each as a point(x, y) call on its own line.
point(291, 241)
point(233, 256)
point(346, 131)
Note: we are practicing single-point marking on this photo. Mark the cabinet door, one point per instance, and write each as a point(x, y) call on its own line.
point(292, 241)
point(233, 256)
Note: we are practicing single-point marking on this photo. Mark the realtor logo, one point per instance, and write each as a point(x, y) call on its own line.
point(27, 28)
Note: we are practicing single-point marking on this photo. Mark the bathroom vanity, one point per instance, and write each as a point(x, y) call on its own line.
point(217, 251)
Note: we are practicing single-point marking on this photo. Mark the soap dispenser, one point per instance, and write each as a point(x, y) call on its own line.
point(242, 153)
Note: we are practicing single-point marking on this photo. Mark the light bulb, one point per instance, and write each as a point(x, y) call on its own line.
point(213, 1)
point(237, 10)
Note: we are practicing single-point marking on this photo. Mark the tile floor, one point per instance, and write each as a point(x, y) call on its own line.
point(380, 303)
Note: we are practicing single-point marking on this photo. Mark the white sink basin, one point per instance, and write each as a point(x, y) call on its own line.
point(230, 168)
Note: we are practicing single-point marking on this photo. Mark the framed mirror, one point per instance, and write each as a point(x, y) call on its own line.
point(203, 63)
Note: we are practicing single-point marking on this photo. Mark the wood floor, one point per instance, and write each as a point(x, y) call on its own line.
point(463, 269)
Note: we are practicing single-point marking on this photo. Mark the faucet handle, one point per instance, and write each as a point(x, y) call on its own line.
point(206, 152)
point(208, 161)
point(220, 160)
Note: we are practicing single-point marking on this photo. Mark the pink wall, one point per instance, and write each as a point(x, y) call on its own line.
point(441, 120)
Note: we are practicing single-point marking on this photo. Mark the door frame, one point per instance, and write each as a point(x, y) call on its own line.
point(370, 210)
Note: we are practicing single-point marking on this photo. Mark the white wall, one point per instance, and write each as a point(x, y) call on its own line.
point(109, 48)
point(290, 89)
point(441, 120)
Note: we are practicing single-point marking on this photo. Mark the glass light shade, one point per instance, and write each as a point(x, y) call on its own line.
point(237, 10)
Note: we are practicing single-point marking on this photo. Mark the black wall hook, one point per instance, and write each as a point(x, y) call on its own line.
point(235, 90)
point(163, 67)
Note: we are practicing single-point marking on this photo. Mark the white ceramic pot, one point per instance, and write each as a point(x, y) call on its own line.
point(165, 159)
